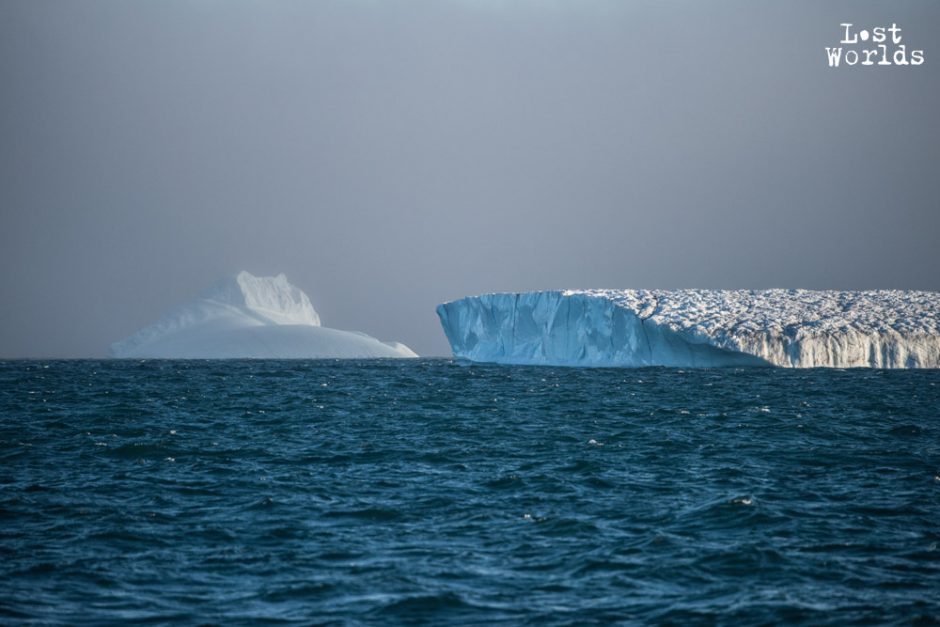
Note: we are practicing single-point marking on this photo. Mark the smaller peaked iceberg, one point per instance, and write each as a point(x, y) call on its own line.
point(250, 317)
point(689, 328)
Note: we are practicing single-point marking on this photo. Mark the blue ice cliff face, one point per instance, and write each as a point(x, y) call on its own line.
point(698, 328)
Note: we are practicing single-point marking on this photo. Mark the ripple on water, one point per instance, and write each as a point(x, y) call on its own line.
point(431, 492)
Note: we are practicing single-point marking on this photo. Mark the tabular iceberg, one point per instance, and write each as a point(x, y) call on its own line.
point(250, 317)
point(689, 328)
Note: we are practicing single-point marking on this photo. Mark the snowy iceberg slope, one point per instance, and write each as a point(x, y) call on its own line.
point(250, 317)
point(687, 328)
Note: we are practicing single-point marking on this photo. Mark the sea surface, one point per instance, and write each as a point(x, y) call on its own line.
point(433, 492)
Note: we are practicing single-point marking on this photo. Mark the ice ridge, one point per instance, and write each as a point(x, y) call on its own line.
point(688, 328)
point(246, 316)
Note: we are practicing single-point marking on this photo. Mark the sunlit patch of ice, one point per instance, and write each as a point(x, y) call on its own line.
point(703, 328)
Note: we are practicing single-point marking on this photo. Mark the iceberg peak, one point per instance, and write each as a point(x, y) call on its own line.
point(247, 316)
point(270, 298)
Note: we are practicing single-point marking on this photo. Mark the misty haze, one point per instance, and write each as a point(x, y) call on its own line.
point(390, 156)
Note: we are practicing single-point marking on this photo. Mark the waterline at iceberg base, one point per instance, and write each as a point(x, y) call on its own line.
point(698, 328)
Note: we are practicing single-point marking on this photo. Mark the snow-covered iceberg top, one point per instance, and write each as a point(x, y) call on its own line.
point(790, 328)
point(245, 316)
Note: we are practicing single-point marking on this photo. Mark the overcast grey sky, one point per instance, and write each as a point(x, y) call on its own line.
point(390, 155)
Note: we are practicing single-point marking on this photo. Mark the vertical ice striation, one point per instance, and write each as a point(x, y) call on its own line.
point(271, 299)
point(689, 328)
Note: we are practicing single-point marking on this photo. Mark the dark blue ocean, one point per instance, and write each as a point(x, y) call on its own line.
point(430, 492)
